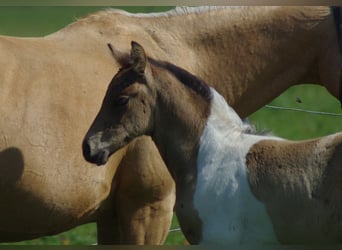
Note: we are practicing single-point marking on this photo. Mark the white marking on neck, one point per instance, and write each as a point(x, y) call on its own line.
point(229, 212)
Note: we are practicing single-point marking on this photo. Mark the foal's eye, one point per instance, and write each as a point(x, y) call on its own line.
point(122, 100)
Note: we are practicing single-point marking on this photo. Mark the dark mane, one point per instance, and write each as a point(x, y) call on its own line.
point(185, 77)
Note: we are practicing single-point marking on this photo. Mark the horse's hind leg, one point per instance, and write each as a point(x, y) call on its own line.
point(108, 228)
point(330, 63)
point(144, 195)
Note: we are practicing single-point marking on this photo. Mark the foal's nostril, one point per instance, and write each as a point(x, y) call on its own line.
point(86, 150)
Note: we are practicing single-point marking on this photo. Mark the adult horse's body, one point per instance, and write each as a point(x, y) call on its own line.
point(46, 186)
point(51, 86)
point(231, 186)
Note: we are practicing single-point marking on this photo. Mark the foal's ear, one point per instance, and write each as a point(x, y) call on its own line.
point(138, 57)
point(120, 57)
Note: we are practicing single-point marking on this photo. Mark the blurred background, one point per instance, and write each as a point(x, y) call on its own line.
point(40, 21)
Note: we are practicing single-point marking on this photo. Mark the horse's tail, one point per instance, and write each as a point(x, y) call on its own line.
point(336, 11)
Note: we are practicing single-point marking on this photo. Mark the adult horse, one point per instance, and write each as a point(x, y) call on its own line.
point(51, 86)
point(232, 187)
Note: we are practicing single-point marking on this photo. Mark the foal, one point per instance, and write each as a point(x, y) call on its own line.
point(231, 186)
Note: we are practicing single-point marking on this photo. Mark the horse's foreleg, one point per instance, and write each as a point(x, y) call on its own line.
point(144, 195)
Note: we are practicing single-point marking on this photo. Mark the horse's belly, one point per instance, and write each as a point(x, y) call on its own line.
point(306, 224)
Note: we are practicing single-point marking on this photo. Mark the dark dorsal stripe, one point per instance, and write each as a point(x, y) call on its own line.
point(185, 77)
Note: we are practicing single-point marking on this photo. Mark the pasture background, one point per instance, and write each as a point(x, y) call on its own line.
point(39, 21)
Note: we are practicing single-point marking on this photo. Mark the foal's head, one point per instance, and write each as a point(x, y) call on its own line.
point(126, 111)
point(146, 92)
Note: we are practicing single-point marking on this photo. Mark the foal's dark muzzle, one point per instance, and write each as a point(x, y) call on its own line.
point(92, 155)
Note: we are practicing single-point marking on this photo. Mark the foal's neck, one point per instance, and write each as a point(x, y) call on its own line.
point(180, 121)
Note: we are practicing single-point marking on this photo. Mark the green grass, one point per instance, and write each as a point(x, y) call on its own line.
point(86, 235)
point(37, 21)
point(82, 235)
point(175, 237)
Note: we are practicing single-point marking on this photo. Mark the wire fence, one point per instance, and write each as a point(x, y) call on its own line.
point(174, 230)
point(303, 110)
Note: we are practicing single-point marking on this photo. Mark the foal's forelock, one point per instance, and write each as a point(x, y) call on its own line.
point(126, 76)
